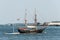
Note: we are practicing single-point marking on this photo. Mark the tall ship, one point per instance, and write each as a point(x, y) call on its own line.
point(32, 28)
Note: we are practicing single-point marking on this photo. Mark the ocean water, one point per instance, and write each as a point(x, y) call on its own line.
point(50, 33)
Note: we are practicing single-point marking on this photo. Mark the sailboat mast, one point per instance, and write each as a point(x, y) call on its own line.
point(25, 17)
point(13, 28)
point(35, 17)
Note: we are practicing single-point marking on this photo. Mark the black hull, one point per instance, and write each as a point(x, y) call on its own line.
point(29, 31)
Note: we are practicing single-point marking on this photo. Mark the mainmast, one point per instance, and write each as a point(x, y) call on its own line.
point(25, 16)
point(35, 17)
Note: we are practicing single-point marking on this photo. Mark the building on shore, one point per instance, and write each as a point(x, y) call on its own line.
point(53, 23)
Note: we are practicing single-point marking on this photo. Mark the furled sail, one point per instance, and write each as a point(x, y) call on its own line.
point(31, 26)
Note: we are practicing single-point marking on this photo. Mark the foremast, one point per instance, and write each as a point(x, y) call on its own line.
point(25, 17)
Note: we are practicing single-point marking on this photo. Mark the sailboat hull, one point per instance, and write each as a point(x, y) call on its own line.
point(30, 31)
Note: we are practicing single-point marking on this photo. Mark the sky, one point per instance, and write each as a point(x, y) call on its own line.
point(46, 10)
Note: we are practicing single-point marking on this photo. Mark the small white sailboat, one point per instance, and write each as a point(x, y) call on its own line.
point(13, 32)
